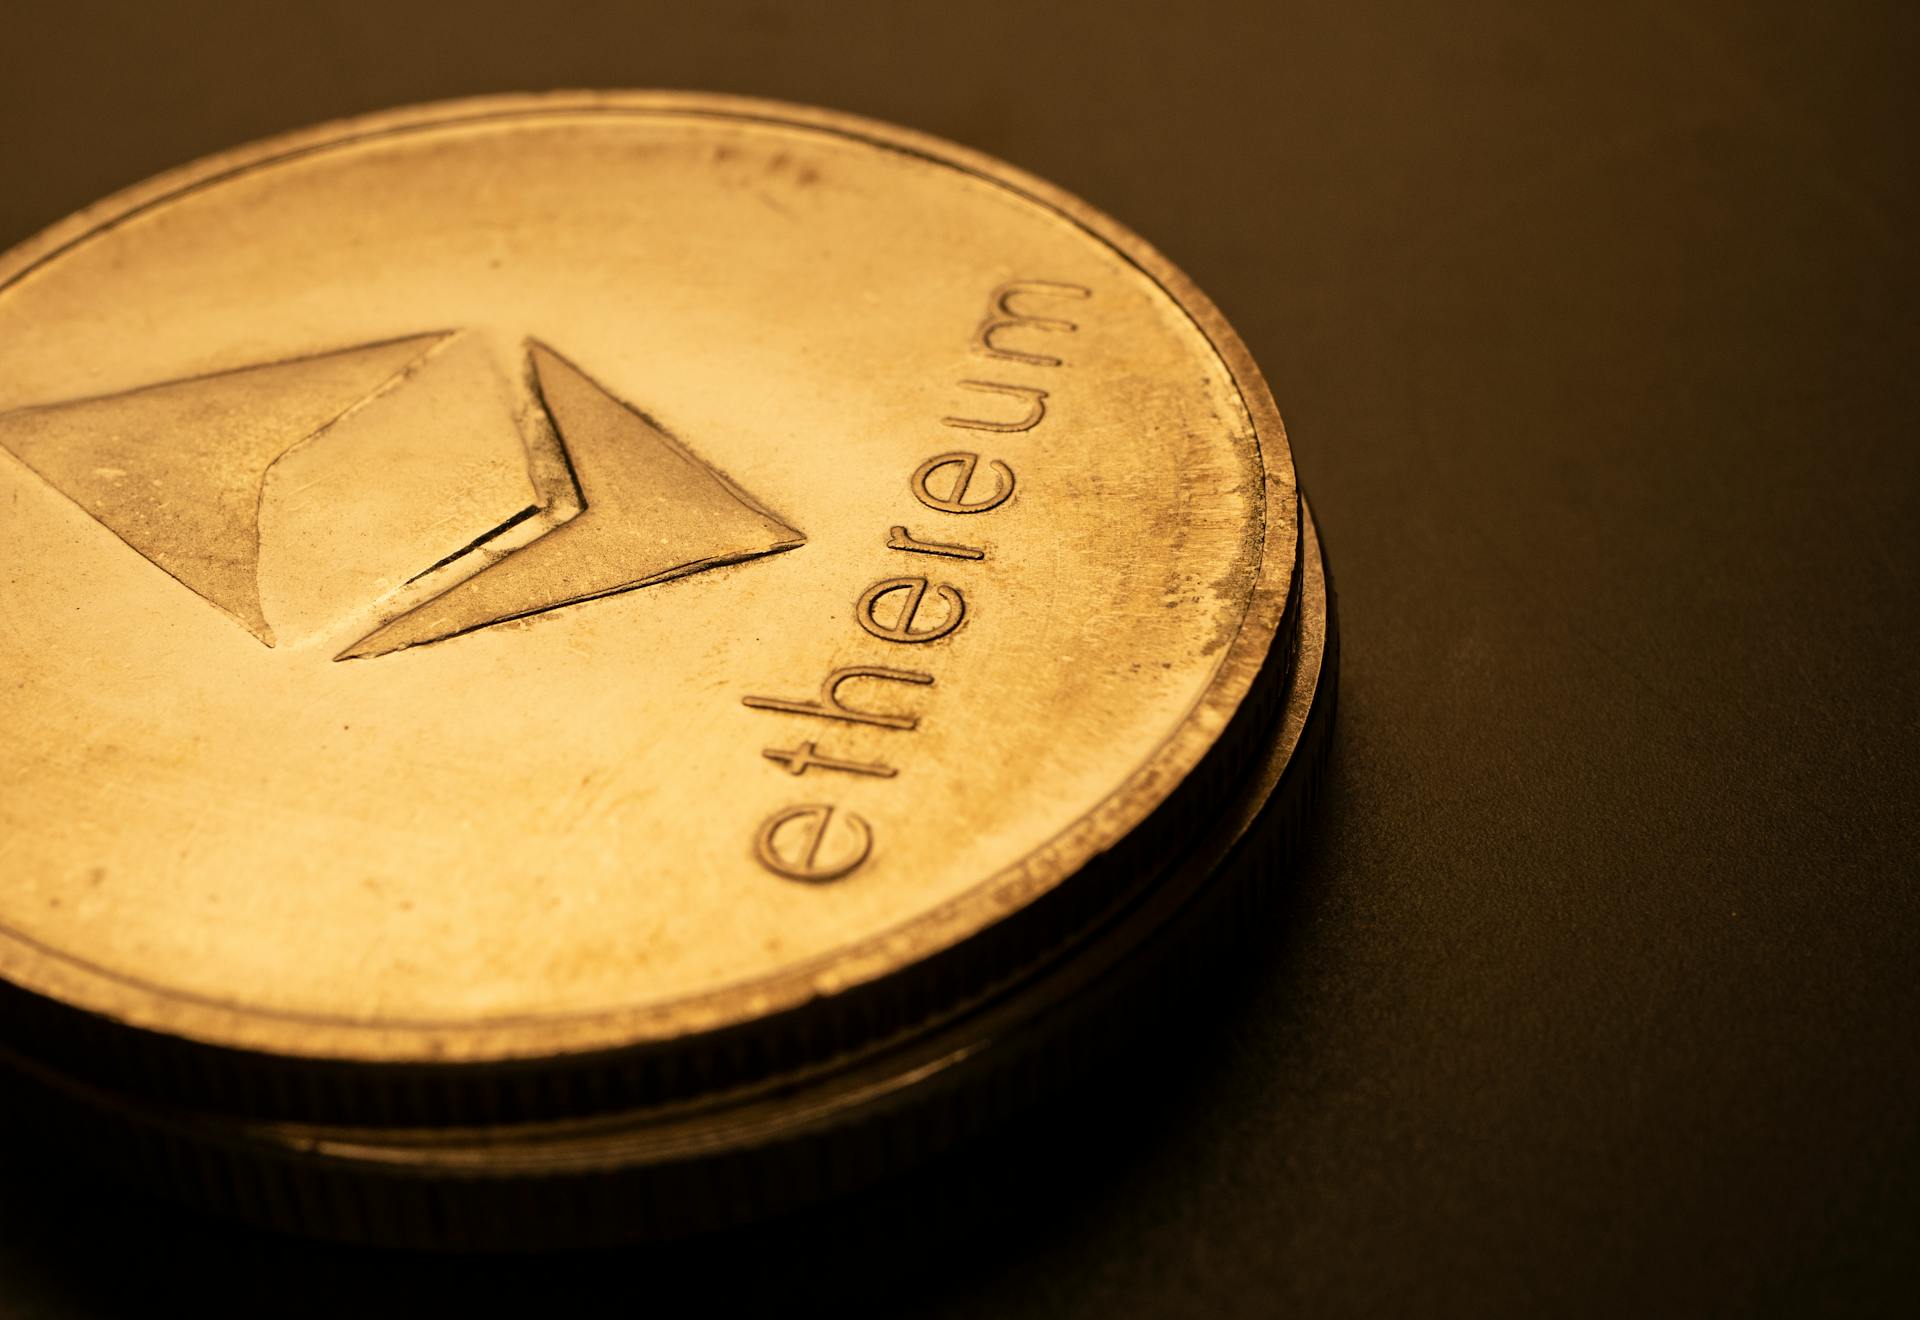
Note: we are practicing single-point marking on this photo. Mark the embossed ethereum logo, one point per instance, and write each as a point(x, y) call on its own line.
point(396, 490)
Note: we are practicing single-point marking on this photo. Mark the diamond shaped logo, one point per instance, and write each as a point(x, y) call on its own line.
point(396, 489)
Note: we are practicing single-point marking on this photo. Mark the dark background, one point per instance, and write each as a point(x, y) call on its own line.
point(1594, 333)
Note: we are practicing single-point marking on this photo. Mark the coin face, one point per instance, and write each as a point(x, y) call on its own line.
point(566, 573)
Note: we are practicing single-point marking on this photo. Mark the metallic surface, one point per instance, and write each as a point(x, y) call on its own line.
point(549, 578)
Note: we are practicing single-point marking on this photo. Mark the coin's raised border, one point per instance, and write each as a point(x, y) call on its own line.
point(237, 1036)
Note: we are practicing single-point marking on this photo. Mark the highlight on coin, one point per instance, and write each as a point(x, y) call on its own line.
point(601, 666)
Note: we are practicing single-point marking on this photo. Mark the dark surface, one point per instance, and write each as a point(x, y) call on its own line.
point(1595, 337)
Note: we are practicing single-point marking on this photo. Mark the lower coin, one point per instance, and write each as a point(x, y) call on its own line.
point(679, 1170)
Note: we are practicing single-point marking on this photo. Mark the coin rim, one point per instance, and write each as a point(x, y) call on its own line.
point(68, 979)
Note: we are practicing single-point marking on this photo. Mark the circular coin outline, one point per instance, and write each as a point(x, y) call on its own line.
point(240, 1035)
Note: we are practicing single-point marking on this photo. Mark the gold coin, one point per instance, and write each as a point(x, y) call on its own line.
point(658, 591)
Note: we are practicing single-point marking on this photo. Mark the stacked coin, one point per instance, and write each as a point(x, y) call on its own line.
point(594, 666)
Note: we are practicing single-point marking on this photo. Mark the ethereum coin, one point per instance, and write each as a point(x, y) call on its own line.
point(537, 607)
